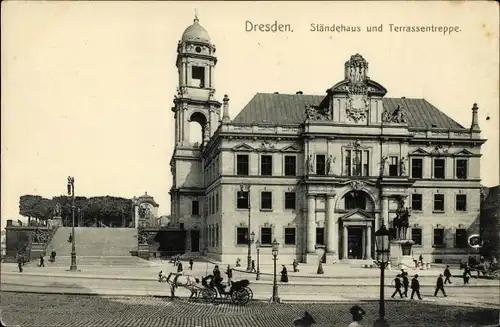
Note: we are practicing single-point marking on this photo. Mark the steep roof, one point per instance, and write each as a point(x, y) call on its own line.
point(290, 109)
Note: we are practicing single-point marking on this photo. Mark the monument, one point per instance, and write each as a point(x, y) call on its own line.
point(400, 247)
point(56, 220)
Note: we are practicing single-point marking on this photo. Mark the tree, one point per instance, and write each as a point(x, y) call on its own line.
point(27, 205)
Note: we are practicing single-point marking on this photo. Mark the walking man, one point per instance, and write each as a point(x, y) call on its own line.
point(406, 283)
point(439, 285)
point(191, 263)
point(447, 274)
point(42, 261)
point(415, 288)
point(397, 286)
point(20, 262)
point(253, 267)
point(179, 267)
point(229, 273)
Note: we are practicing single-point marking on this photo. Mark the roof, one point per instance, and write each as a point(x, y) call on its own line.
point(196, 32)
point(290, 109)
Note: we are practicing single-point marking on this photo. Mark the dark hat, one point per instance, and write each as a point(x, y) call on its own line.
point(440, 275)
point(416, 276)
point(398, 275)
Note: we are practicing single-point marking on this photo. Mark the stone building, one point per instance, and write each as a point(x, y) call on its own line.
point(325, 171)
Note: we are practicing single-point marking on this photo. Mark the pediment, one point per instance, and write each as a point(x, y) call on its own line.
point(357, 215)
point(420, 152)
point(290, 148)
point(464, 153)
point(243, 147)
point(369, 85)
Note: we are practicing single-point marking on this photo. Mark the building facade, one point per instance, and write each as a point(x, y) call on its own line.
point(318, 171)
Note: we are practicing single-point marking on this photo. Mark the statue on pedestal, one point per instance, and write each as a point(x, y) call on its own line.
point(329, 164)
point(57, 210)
point(383, 162)
point(310, 164)
point(401, 222)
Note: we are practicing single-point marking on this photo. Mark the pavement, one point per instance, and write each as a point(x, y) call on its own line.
point(23, 309)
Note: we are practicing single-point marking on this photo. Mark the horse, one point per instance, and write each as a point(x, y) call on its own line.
point(187, 281)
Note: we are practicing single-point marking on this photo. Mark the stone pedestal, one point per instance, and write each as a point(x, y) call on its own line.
point(401, 255)
point(36, 250)
point(56, 221)
point(143, 251)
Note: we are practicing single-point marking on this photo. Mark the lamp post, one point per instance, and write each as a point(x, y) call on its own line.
point(382, 243)
point(71, 191)
point(275, 250)
point(257, 245)
point(242, 197)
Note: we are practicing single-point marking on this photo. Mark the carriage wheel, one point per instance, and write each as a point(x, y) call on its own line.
point(250, 291)
point(241, 296)
point(207, 296)
point(163, 279)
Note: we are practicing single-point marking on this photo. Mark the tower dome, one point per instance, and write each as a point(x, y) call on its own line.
point(196, 32)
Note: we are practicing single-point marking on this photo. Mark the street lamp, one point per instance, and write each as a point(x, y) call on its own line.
point(382, 243)
point(71, 191)
point(242, 197)
point(275, 250)
point(257, 245)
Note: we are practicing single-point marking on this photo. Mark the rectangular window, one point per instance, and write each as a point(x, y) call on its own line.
point(438, 237)
point(357, 163)
point(438, 202)
point(241, 235)
point(195, 208)
point(439, 169)
point(266, 165)
point(320, 235)
point(266, 235)
point(213, 204)
point(416, 202)
point(461, 169)
point(242, 202)
point(393, 166)
point(320, 164)
point(416, 235)
point(266, 200)
point(289, 236)
point(366, 163)
point(198, 76)
point(290, 165)
point(417, 168)
point(217, 202)
point(242, 165)
point(461, 202)
point(290, 202)
point(209, 205)
point(461, 238)
point(348, 163)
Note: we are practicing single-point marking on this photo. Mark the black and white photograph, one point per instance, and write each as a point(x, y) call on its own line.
point(250, 164)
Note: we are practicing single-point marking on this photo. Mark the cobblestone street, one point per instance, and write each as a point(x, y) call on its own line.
point(23, 309)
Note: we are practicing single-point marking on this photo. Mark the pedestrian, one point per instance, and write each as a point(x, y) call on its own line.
point(439, 285)
point(42, 261)
point(53, 256)
point(70, 238)
point(229, 273)
point(397, 286)
point(191, 263)
point(295, 265)
point(20, 262)
point(406, 283)
point(305, 321)
point(465, 276)
point(421, 260)
point(447, 274)
point(179, 267)
point(284, 275)
point(253, 266)
point(357, 315)
point(415, 288)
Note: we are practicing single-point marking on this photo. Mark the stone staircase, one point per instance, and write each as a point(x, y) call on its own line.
point(120, 261)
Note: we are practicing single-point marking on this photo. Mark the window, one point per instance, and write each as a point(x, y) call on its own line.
point(461, 238)
point(242, 165)
point(393, 233)
point(354, 200)
point(241, 235)
point(213, 204)
point(216, 235)
point(290, 165)
point(366, 164)
point(320, 235)
point(393, 166)
point(195, 208)
point(416, 235)
point(242, 202)
point(289, 236)
point(216, 202)
point(438, 237)
point(348, 163)
point(290, 202)
point(266, 200)
point(439, 171)
point(266, 165)
point(198, 76)
point(266, 235)
point(461, 169)
point(461, 202)
point(438, 202)
point(417, 166)
point(209, 205)
point(416, 202)
point(357, 163)
point(320, 164)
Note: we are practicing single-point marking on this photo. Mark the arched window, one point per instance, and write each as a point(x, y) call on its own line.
point(355, 200)
point(196, 128)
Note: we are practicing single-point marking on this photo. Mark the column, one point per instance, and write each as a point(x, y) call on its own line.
point(311, 224)
point(331, 235)
point(369, 242)
point(344, 245)
point(385, 211)
point(363, 243)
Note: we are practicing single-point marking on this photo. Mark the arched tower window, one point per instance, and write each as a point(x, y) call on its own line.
point(197, 125)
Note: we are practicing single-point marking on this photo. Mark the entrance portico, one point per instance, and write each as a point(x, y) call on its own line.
point(356, 235)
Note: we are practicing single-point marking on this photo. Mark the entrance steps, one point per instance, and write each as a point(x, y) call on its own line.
point(120, 261)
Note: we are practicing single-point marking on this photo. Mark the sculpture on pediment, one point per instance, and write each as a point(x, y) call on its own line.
point(399, 115)
point(310, 164)
point(316, 113)
point(329, 164)
point(266, 145)
point(439, 149)
point(386, 116)
point(402, 165)
point(357, 185)
point(383, 163)
point(356, 69)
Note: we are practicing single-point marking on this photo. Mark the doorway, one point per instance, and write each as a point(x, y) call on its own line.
point(195, 241)
point(355, 242)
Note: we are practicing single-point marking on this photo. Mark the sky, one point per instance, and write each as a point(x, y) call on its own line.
point(87, 87)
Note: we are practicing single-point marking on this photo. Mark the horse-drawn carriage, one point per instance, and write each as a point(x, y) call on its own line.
point(481, 266)
point(209, 291)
